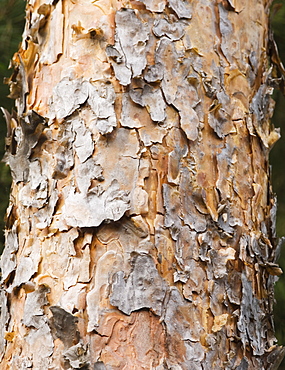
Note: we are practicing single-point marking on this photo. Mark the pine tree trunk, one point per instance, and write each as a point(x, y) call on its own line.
point(140, 231)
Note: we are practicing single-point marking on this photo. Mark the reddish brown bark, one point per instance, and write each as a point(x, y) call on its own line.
point(140, 231)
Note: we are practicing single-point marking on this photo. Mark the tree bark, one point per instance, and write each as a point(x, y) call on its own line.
point(141, 226)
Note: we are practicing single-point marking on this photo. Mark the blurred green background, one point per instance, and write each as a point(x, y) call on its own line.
point(277, 160)
point(12, 14)
point(11, 27)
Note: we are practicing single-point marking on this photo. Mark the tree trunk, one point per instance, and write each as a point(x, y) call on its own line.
point(140, 231)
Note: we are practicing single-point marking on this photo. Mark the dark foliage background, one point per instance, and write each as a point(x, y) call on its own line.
point(277, 160)
point(12, 14)
point(11, 26)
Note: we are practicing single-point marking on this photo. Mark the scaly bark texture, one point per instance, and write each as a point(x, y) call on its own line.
point(140, 231)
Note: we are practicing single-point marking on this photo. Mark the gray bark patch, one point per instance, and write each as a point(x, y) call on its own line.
point(34, 307)
point(252, 320)
point(128, 55)
point(4, 317)
point(181, 8)
point(8, 258)
point(64, 326)
point(154, 5)
point(68, 95)
point(151, 98)
point(174, 30)
point(143, 288)
point(91, 209)
point(77, 356)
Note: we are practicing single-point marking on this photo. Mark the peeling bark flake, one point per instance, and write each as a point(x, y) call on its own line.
point(128, 54)
point(152, 99)
point(8, 257)
point(4, 317)
point(83, 143)
point(102, 99)
point(174, 30)
point(77, 356)
point(252, 331)
point(143, 288)
point(110, 205)
point(68, 95)
point(34, 307)
point(155, 5)
point(64, 326)
point(180, 8)
point(52, 47)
